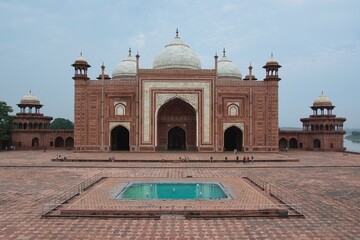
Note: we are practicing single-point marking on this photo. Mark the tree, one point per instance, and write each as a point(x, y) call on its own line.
point(356, 133)
point(61, 123)
point(5, 122)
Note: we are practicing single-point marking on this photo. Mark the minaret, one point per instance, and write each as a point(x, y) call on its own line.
point(81, 66)
point(272, 68)
point(80, 100)
point(103, 75)
point(250, 76)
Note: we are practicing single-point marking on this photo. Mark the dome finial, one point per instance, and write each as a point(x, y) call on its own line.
point(30, 91)
point(322, 92)
point(272, 55)
point(80, 53)
point(129, 51)
point(177, 32)
point(224, 52)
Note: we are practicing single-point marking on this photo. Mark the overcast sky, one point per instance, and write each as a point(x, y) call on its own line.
point(316, 41)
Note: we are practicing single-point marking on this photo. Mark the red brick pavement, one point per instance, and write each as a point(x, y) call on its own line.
point(327, 183)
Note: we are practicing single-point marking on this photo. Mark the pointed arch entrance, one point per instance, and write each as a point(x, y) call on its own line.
point(176, 139)
point(283, 144)
point(233, 139)
point(176, 126)
point(120, 139)
point(317, 144)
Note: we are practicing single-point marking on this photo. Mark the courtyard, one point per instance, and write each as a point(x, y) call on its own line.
point(325, 184)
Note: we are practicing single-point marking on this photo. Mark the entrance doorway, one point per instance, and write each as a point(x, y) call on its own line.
point(176, 139)
point(233, 139)
point(120, 139)
point(176, 126)
point(317, 144)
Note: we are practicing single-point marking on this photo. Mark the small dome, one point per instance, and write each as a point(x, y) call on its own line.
point(322, 100)
point(177, 55)
point(126, 68)
point(226, 68)
point(272, 61)
point(30, 99)
point(81, 60)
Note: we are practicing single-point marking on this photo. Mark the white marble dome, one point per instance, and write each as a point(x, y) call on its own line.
point(126, 68)
point(322, 100)
point(177, 55)
point(29, 98)
point(226, 68)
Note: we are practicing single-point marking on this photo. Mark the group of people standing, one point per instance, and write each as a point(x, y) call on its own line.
point(246, 159)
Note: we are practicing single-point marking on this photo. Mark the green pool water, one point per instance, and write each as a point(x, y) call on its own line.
point(172, 190)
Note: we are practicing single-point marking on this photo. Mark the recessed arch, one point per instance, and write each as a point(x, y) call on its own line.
point(233, 139)
point(35, 142)
point(59, 142)
point(176, 139)
point(176, 113)
point(283, 144)
point(293, 143)
point(233, 110)
point(317, 144)
point(120, 139)
point(69, 142)
point(120, 109)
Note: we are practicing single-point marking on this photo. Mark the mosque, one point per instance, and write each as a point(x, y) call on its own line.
point(176, 105)
point(179, 106)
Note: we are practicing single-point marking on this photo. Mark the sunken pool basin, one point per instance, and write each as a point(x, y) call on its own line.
point(173, 191)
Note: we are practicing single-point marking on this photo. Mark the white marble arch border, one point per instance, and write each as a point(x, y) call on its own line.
point(113, 125)
point(190, 98)
point(239, 125)
point(148, 86)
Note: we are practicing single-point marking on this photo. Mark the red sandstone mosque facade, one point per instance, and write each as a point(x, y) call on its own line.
point(177, 105)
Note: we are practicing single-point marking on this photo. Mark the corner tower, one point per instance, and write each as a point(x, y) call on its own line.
point(80, 108)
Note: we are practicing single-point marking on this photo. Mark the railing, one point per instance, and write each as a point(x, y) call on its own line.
point(70, 193)
point(280, 194)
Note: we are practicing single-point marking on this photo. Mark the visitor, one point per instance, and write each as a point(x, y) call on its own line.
point(237, 159)
point(252, 159)
point(244, 160)
point(235, 151)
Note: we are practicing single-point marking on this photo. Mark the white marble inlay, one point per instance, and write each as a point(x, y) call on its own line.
point(176, 85)
point(231, 124)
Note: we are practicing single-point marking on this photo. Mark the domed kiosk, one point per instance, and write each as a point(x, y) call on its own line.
point(31, 129)
point(322, 131)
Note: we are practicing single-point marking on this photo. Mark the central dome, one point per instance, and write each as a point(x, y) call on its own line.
point(177, 55)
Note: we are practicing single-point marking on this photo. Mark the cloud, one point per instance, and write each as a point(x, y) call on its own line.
point(138, 41)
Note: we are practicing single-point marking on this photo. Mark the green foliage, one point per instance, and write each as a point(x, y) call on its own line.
point(5, 121)
point(355, 133)
point(61, 123)
point(354, 137)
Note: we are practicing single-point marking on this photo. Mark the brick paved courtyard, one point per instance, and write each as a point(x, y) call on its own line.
point(327, 183)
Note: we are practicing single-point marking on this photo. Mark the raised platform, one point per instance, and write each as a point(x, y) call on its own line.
point(249, 197)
